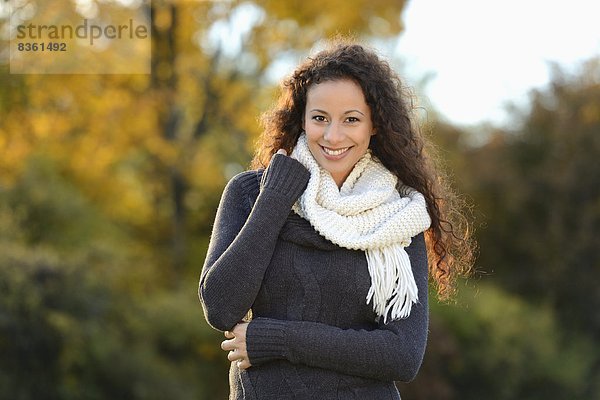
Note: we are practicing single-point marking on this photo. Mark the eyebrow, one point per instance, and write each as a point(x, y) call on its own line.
point(325, 112)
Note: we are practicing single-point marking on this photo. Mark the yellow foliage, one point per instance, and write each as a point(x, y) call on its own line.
point(119, 137)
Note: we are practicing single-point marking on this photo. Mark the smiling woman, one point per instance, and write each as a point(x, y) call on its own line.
point(328, 241)
point(338, 126)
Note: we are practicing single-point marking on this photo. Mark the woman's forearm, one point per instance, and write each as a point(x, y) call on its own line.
point(243, 242)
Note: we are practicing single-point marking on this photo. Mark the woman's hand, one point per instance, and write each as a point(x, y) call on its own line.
point(236, 345)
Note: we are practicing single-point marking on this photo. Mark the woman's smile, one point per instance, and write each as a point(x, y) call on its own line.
point(335, 154)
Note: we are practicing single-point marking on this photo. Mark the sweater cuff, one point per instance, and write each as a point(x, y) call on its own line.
point(265, 340)
point(285, 175)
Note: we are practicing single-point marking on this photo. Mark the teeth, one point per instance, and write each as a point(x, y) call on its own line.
point(335, 152)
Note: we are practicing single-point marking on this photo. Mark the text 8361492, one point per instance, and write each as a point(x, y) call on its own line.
point(43, 46)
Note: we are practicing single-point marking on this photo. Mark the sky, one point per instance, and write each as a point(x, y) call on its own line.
point(479, 55)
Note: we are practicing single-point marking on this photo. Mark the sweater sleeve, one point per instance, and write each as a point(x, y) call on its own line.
point(243, 240)
point(393, 351)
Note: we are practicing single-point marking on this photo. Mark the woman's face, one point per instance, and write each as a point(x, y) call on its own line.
point(338, 126)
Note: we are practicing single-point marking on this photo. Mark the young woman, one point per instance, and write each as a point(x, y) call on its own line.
point(328, 241)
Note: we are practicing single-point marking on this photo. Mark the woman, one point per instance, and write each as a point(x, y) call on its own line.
point(327, 241)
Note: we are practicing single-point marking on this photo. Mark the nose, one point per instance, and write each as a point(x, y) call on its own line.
point(334, 133)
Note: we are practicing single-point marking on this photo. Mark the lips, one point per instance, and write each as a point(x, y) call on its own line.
point(335, 152)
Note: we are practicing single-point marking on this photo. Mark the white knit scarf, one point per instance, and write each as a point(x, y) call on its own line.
point(368, 213)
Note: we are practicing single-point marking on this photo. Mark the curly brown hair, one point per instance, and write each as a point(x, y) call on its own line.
point(398, 143)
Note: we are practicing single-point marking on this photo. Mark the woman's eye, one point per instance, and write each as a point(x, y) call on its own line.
point(319, 118)
point(352, 119)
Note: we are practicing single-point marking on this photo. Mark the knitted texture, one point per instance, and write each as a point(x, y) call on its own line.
point(368, 213)
point(312, 335)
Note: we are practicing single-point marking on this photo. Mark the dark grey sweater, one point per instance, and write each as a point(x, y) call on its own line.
point(313, 336)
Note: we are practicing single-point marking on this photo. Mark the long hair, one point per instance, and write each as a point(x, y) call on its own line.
point(398, 144)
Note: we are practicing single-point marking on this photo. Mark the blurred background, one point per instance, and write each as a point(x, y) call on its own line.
point(109, 185)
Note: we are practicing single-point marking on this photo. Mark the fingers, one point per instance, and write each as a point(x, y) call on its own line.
point(236, 345)
point(234, 355)
point(228, 345)
point(244, 364)
point(241, 362)
point(240, 329)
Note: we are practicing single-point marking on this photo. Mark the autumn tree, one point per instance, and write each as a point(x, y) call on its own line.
point(536, 187)
point(109, 184)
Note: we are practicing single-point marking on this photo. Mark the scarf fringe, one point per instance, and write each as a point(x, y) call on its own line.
point(393, 288)
point(370, 213)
